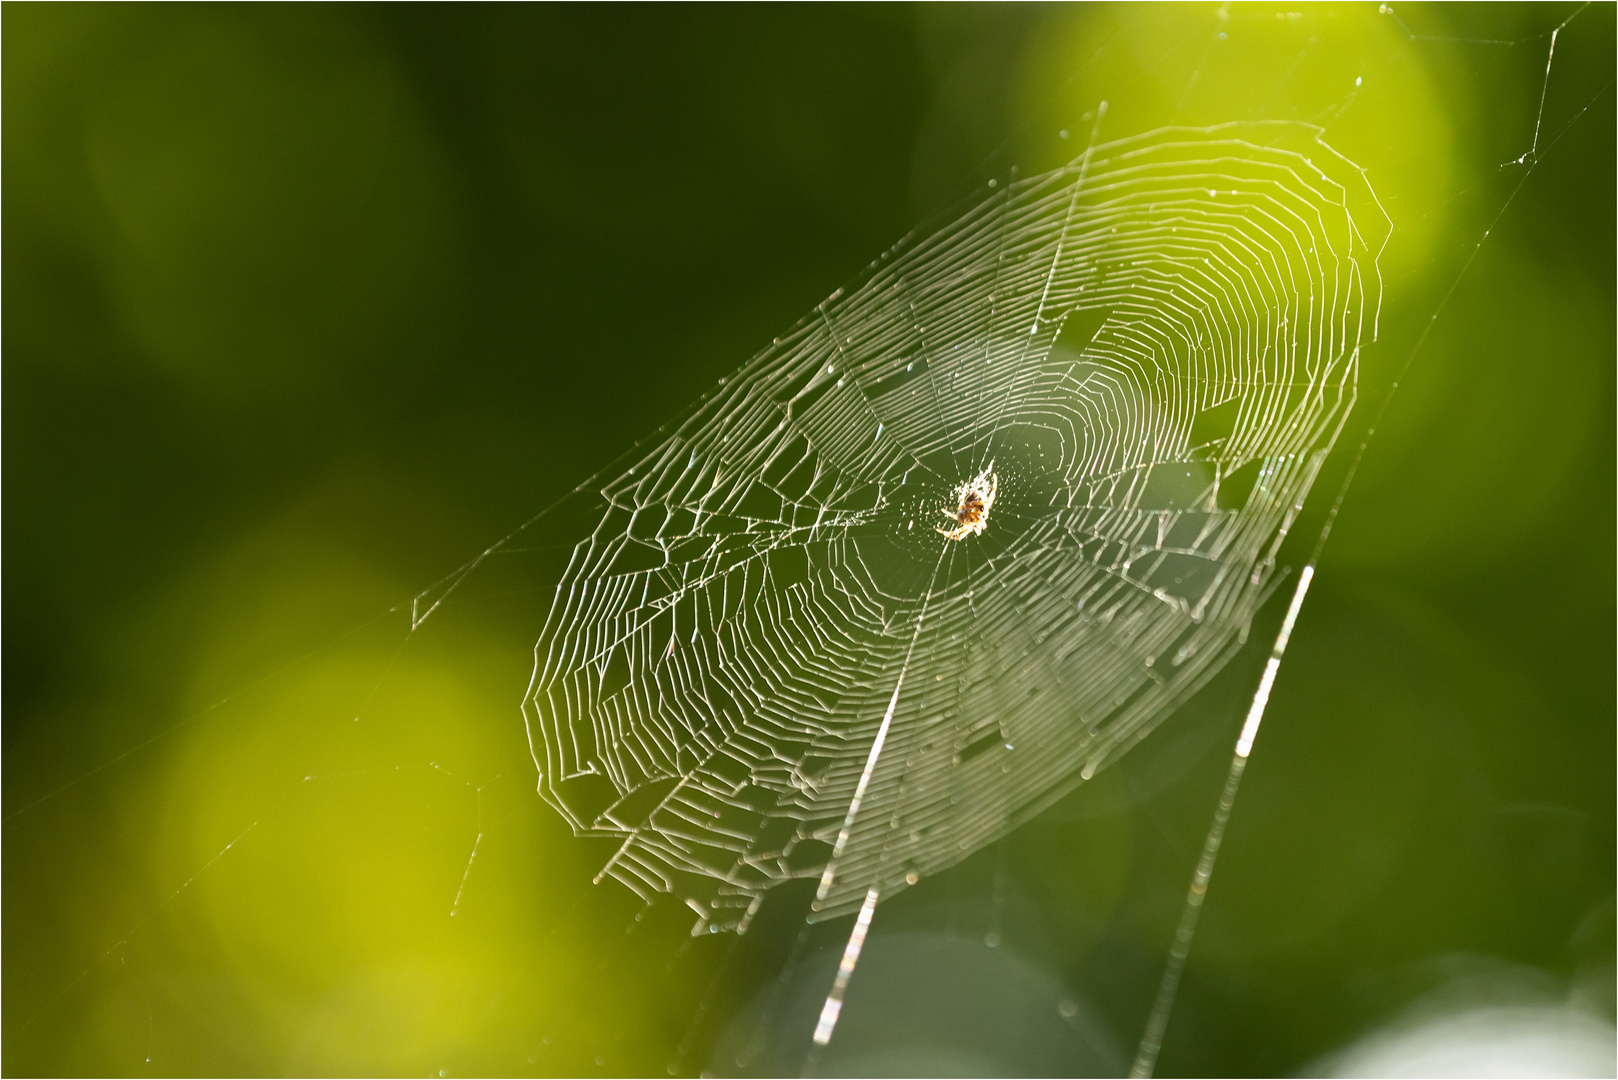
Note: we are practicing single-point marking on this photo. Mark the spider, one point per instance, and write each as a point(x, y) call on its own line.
point(971, 517)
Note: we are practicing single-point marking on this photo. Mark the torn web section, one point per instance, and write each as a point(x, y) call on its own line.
point(766, 663)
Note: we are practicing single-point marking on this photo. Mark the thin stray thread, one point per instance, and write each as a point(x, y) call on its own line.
point(856, 939)
point(1151, 1040)
point(845, 970)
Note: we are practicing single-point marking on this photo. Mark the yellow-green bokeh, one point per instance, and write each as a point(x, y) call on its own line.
point(305, 307)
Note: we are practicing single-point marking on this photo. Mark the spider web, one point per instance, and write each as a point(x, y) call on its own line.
point(765, 663)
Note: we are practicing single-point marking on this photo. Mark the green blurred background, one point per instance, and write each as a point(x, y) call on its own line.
point(305, 306)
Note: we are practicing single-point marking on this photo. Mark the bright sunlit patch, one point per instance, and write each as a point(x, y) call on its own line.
point(327, 837)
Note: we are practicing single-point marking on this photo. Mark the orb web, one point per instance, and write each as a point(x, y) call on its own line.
point(773, 659)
